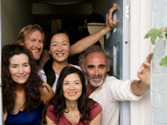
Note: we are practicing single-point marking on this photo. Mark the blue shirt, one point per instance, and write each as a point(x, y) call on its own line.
point(25, 117)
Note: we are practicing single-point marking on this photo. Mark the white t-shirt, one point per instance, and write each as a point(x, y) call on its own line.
point(42, 74)
point(108, 96)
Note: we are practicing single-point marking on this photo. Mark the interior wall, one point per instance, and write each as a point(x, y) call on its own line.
point(15, 15)
point(100, 6)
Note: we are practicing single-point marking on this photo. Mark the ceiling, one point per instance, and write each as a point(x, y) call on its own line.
point(62, 2)
point(62, 7)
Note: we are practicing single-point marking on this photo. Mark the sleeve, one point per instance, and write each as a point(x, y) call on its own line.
point(120, 90)
point(50, 114)
point(42, 75)
point(95, 111)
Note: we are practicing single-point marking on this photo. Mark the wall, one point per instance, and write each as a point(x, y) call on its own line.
point(100, 6)
point(15, 15)
point(159, 73)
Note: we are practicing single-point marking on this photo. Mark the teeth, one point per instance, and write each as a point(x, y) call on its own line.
point(36, 51)
point(60, 54)
point(72, 93)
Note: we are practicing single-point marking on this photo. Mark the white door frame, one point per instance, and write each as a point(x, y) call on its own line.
point(140, 16)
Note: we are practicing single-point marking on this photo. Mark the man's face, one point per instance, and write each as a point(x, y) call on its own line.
point(34, 43)
point(96, 68)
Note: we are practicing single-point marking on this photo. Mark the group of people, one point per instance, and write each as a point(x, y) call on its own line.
point(64, 93)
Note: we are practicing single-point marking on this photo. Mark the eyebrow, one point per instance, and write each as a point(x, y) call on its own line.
point(17, 64)
point(90, 66)
point(78, 80)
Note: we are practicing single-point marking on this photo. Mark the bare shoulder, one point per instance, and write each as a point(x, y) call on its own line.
point(46, 92)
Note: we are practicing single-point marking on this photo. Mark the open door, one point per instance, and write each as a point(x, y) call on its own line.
point(117, 43)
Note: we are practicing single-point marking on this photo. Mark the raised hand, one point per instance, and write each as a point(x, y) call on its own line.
point(144, 71)
point(111, 22)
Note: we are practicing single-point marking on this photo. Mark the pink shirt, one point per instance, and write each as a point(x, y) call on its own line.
point(64, 121)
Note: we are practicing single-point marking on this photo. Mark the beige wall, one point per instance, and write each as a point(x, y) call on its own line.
point(15, 15)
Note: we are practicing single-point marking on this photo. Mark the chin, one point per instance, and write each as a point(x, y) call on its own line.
point(96, 84)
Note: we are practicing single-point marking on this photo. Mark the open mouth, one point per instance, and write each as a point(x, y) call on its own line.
point(36, 51)
point(72, 93)
point(60, 54)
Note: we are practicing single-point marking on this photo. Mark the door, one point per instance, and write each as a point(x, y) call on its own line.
point(117, 43)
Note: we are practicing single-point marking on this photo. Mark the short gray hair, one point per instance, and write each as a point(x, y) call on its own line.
point(95, 48)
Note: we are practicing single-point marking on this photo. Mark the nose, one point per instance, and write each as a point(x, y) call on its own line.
point(59, 47)
point(72, 87)
point(38, 44)
point(97, 72)
point(21, 70)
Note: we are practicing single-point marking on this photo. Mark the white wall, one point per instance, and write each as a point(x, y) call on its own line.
point(15, 15)
point(140, 14)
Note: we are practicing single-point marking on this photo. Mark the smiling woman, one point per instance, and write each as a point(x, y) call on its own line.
point(24, 93)
point(70, 105)
point(19, 68)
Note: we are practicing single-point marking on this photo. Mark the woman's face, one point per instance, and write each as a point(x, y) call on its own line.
point(72, 87)
point(19, 68)
point(60, 47)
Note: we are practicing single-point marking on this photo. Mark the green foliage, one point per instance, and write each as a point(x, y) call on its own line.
point(164, 61)
point(154, 34)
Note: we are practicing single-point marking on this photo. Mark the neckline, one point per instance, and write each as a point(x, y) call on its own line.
point(69, 121)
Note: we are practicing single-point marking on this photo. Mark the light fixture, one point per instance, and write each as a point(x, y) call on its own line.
point(63, 2)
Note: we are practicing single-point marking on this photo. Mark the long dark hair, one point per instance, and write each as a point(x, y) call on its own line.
point(32, 97)
point(49, 72)
point(85, 105)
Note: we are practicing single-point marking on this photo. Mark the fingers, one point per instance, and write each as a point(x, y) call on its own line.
point(113, 9)
point(110, 13)
point(144, 66)
point(148, 58)
point(146, 63)
point(112, 22)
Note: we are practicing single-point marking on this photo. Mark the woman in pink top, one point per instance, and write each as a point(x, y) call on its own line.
point(70, 105)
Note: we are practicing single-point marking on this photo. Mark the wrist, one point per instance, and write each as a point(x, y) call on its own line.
point(106, 29)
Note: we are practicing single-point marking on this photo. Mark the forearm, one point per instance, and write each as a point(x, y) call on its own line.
point(88, 41)
point(138, 88)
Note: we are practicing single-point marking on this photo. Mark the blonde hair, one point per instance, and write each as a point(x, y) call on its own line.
point(26, 31)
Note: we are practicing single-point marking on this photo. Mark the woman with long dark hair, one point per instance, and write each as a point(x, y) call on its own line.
point(24, 93)
point(70, 105)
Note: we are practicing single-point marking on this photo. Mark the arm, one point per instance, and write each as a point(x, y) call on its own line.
point(46, 93)
point(49, 121)
point(97, 120)
point(140, 87)
point(86, 42)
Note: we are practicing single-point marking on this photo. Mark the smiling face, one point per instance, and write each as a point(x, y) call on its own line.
point(96, 68)
point(19, 68)
point(60, 47)
point(34, 43)
point(72, 87)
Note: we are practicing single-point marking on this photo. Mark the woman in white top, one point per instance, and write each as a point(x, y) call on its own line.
point(59, 49)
